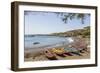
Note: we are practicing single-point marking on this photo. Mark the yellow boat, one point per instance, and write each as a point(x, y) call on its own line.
point(58, 50)
point(61, 52)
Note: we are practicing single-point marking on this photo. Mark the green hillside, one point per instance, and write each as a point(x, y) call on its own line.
point(85, 32)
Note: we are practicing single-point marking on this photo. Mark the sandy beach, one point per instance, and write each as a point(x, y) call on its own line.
point(38, 55)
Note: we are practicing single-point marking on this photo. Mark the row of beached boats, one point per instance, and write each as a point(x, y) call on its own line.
point(52, 54)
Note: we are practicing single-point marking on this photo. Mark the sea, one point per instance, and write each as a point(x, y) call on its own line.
point(38, 41)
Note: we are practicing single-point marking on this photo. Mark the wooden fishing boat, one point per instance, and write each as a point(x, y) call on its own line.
point(76, 53)
point(36, 43)
point(50, 55)
point(59, 52)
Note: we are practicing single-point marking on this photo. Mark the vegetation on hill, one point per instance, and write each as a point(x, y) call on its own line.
point(85, 32)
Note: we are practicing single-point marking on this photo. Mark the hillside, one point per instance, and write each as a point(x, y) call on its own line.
point(85, 32)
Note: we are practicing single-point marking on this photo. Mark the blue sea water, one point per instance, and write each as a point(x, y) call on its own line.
point(45, 41)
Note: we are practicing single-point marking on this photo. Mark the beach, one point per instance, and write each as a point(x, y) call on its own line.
point(39, 55)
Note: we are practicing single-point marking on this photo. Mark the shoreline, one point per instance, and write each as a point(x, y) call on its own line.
point(46, 46)
point(37, 54)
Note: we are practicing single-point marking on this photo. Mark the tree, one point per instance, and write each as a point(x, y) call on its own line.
point(71, 16)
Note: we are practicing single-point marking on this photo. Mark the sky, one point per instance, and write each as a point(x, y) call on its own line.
point(47, 23)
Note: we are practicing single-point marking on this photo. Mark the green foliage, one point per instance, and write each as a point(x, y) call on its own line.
point(70, 16)
point(85, 32)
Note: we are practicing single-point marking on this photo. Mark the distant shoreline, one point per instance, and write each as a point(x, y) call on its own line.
point(43, 35)
point(84, 32)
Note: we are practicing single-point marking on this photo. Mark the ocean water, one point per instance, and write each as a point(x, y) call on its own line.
point(45, 41)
